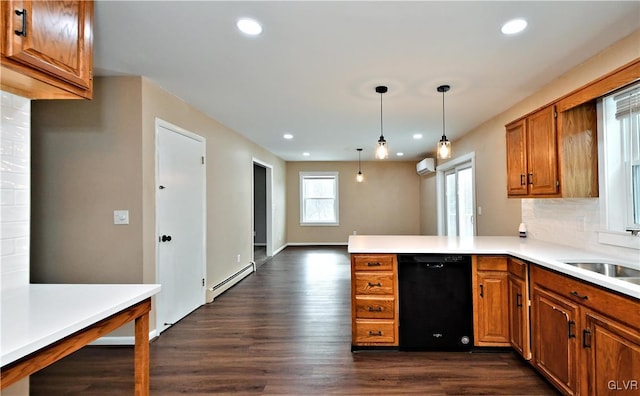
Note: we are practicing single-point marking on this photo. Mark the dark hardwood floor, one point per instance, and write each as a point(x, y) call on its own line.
point(285, 330)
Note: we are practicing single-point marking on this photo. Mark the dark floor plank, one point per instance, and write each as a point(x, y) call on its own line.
point(285, 330)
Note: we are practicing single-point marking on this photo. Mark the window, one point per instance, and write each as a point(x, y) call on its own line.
point(319, 198)
point(621, 125)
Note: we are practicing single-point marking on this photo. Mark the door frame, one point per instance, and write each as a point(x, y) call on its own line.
point(203, 143)
point(269, 205)
point(440, 196)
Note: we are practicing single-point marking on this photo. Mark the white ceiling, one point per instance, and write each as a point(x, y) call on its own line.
point(313, 71)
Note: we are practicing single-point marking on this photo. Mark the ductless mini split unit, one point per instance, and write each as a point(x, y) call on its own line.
point(426, 166)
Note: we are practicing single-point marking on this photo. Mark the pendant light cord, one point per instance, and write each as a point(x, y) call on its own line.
point(381, 130)
point(443, 133)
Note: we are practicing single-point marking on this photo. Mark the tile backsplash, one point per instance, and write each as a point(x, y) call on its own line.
point(570, 221)
point(15, 164)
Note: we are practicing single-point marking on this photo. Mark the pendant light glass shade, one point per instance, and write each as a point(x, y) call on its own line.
point(444, 145)
point(444, 148)
point(359, 176)
point(382, 149)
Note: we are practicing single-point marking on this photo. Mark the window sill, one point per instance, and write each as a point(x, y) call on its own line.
point(619, 239)
point(319, 225)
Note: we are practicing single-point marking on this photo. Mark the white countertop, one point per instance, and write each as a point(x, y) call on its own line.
point(36, 315)
point(545, 254)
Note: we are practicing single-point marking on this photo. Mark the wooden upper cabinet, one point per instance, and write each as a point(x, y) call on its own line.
point(516, 159)
point(542, 152)
point(532, 159)
point(47, 48)
point(578, 143)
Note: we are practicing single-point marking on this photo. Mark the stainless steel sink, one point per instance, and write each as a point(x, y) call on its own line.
point(635, 281)
point(609, 269)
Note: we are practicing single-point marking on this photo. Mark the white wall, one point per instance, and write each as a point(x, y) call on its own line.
point(15, 155)
point(15, 175)
point(574, 222)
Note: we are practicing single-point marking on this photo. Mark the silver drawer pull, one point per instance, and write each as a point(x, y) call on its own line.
point(374, 309)
point(374, 284)
point(377, 264)
point(375, 333)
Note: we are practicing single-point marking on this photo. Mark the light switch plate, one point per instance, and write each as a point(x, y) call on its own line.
point(120, 217)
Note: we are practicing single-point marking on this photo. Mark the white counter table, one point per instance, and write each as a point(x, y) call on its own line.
point(42, 323)
point(545, 254)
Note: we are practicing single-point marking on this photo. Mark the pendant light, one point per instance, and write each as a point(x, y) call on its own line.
point(359, 176)
point(382, 150)
point(444, 145)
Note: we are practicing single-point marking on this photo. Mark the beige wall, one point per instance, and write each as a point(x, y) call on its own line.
point(91, 157)
point(501, 215)
point(387, 202)
point(229, 185)
point(87, 163)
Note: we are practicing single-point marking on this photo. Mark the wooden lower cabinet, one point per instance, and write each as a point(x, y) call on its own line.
point(490, 299)
point(555, 347)
point(585, 339)
point(519, 323)
point(374, 300)
point(612, 354)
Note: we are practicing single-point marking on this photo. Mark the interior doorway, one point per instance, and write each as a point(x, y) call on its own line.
point(262, 243)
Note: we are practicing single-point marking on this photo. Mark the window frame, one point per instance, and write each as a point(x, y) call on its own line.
point(336, 198)
point(616, 216)
point(463, 162)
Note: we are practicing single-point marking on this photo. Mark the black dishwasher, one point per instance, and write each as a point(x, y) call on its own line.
point(436, 309)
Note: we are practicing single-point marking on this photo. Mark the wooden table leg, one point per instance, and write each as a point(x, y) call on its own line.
point(141, 358)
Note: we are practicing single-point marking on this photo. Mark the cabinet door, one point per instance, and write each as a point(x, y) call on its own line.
point(555, 347)
point(578, 145)
point(613, 356)
point(55, 38)
point(516, 159)
point(492, 324)
point(519, 317)
point(542, 152)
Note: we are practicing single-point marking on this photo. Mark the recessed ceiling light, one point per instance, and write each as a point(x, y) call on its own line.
point(306, 154)
point(417, 136)
point(400, 154)
point(287, 136)
point(514, 26)
point(249, 26)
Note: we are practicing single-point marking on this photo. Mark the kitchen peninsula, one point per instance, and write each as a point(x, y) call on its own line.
point(42, 323)
point(577, 327)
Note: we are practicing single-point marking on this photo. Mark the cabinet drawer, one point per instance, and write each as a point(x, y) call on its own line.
point(376, 283)
point(373, 262)
point(492, 263)
point(375, 331)
point(624, 309)
point(375, 307)
point(517, 268)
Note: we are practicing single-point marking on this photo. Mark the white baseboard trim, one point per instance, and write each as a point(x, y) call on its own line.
point(123, 340)
point(317, 243)
point(281, 248)
point(231, 281)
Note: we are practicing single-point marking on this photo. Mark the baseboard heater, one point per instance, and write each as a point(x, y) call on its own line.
point(232, 280)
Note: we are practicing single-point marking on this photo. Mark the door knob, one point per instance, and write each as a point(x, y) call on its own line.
point(166, 238)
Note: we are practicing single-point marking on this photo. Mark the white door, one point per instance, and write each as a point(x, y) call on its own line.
point(180, 200)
